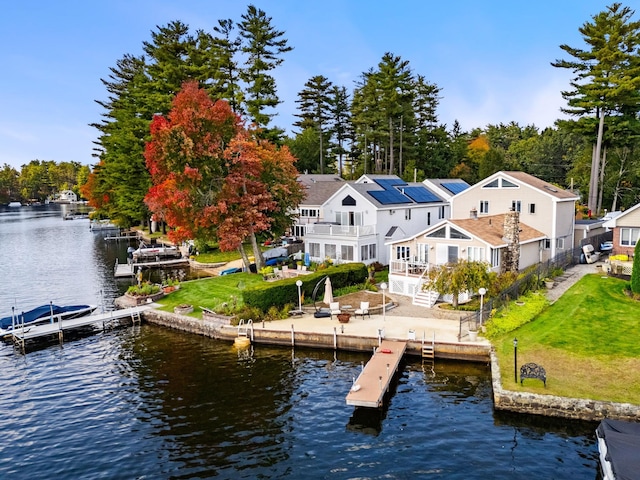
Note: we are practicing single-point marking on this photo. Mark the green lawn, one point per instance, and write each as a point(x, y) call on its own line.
point(210, 292)
point(586, 342)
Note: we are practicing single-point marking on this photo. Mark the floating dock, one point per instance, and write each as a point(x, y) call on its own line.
point(21, 334)
point(369, 388)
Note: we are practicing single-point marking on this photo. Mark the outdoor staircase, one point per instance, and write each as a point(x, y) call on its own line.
point(429, 349)
point(425, 298)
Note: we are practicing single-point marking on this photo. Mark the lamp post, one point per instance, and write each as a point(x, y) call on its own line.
point(515, 360)
point(383, 286)
point(299, 284)
point(481, 291)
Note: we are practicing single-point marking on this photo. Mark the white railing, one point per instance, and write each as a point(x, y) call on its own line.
point(408, 267)
point(340, 230)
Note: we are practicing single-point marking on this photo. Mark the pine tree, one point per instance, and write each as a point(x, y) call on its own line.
point(263, 46)
point(314, 104)
point(607, 77)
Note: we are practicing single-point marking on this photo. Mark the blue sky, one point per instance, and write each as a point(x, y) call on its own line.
point(490, 59)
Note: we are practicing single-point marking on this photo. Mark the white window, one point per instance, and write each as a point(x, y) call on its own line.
point(368, 252)
point(441, 212)
point(403, 252)
point(428, 218)
point(423, 252)
point(452, 254)
point(629, 236)
point(407, 214)
point(346, 252)
point(484, 206)
point(495, 257)
point(560, 243)
point(314, 250)
point(349, 218)
point(330, 251)
point(309, 212)
point(532, 208)
point(299, 230)
point(516, 206)
point(475, 254)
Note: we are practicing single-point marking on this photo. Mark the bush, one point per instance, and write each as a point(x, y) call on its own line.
point(635, 273)
point(145, 289)
point(511, 316)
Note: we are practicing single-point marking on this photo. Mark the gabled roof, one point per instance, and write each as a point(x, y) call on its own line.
point(390, 191)
point(319, 188)
point(619, 219)
point(490, 229)
point(536, 183)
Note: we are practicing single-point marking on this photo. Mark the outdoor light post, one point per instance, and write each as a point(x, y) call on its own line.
point(515, 360)
point(299, 284)
point(383, 286)
point(481, 291)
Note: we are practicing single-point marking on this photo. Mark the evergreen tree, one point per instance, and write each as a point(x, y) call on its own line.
point(607, 80)
point(314, 104)
point(263, 46)
point(341, 129)
point(227, 76)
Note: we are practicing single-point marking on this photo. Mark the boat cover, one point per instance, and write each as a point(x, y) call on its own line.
point(623, 447)
point(42, 311)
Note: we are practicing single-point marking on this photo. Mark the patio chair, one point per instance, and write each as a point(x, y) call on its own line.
point(276, 272)
point(363, 310)
point(334, 309)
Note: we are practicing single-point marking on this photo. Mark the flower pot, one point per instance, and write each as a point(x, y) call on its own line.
point(344, 317)
point(183, 309)
point(549, 284)
point(473, 335)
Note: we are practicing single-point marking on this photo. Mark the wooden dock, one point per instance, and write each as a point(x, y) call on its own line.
point(369, 388)
point(57, 326)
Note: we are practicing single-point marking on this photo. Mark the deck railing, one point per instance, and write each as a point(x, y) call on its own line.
point(340, 230)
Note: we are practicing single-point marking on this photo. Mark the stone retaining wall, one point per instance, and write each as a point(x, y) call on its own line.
point(221, 330)
point(554, 406)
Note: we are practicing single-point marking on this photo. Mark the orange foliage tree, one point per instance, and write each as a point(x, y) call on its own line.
point(212, 178)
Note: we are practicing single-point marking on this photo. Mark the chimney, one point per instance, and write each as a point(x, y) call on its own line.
point(473, 213)
point(511, 228)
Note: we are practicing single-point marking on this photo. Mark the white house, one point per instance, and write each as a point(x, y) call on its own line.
point(318, 189)
point(357, 220)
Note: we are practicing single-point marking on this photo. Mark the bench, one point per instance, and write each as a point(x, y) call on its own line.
point(533, 370)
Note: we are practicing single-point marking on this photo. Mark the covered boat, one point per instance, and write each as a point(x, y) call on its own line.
point(619, 447)
point(155, 252)
point(44, 314)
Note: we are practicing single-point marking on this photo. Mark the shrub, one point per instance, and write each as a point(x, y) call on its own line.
point(635, 273)
point(511, 317)
point(145, 289)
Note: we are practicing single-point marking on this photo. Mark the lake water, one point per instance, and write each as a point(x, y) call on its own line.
point(152, 403)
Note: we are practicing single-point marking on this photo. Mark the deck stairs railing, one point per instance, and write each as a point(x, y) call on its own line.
point(424, 298)
point(245, 328)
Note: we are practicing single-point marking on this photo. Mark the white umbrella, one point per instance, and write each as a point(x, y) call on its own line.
point(328, 292)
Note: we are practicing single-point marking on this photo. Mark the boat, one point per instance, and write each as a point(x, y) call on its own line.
point(157, 252)
point(14, 204)
point(619, 448)
point(43, 314)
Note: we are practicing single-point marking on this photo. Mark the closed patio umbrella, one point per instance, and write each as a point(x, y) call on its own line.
point(328, 292)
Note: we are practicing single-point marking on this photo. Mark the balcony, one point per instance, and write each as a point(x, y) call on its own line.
point(330, 230)
point(408, 267)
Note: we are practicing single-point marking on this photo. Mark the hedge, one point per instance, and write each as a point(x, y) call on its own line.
point(283, 292)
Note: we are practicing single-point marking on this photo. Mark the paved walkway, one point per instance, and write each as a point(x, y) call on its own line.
point(570, 277)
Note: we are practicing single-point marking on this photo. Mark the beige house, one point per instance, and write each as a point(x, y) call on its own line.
point(542, 206)
point(500, 240)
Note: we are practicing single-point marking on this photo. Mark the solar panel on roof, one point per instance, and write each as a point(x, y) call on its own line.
point(420, 195)
point(389, 183)
point(388, 197)
point(455, 187)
